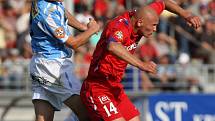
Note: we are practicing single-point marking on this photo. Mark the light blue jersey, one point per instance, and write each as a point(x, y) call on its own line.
point(51, 67)
point(49, 30)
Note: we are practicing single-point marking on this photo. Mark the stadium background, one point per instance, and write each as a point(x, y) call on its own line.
point(183, 90)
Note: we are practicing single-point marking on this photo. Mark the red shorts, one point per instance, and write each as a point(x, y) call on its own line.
point(104, 103)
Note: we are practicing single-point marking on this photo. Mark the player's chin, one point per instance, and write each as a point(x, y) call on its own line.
point(148, 35)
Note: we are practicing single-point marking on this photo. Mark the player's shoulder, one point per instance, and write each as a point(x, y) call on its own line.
point(122, 19)
point(48, 12)
point(121, 22)
point(47, 8)
point(42, 4)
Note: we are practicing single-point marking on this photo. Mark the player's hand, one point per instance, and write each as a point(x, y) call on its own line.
point(150, 67)
point(193, 21)
point(93, 25)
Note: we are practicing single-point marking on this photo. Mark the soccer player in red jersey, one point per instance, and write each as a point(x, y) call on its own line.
point(102, 93)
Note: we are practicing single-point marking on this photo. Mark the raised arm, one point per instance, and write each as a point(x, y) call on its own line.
point(82, 38)
point(191, 19)
point(73, 22)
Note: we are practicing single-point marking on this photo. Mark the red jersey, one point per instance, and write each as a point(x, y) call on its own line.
point(104, 63)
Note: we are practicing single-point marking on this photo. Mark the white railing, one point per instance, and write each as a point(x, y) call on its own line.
point(205, 74)
point(189, 78)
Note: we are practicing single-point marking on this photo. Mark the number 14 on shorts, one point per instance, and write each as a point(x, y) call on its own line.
point(111, 109)
point(108, 105)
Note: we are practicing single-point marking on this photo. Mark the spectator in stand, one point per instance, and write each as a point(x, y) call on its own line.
point(100, 9)
point(211, 7)
point(166, 75)
point(203, 12)
point(23, 35)
point(2, 29)
point(207, 39)
point(193, 5)
point(166, 45)
point(17, 5)
point(9, 24)
point(121, 2)
point(23, 18)
point(80, 5)
point(187, 74)
point(147, 51)
point(14, 70)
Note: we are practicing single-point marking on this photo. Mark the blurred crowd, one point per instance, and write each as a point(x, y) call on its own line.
point(175, 43)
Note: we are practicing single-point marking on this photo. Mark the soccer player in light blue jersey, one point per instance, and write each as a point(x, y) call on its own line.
point(53, 82)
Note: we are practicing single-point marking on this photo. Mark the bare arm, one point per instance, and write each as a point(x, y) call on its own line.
point(191, 19)
point(118, 50)
point(73, 22)
point(175, 8)
point(82, 38)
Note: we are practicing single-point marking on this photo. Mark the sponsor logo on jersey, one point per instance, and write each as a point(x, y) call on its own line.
point(119, 35)
point(59, 32)
point(131, 47)
point(104, 99)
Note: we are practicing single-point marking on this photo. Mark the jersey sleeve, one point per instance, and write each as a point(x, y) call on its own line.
point(158, 6)
point(55, 26)
point(117, 33)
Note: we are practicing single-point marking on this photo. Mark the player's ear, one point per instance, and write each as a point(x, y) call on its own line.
point(139, 22)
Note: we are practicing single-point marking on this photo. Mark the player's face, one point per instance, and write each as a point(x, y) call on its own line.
point(148, 26)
